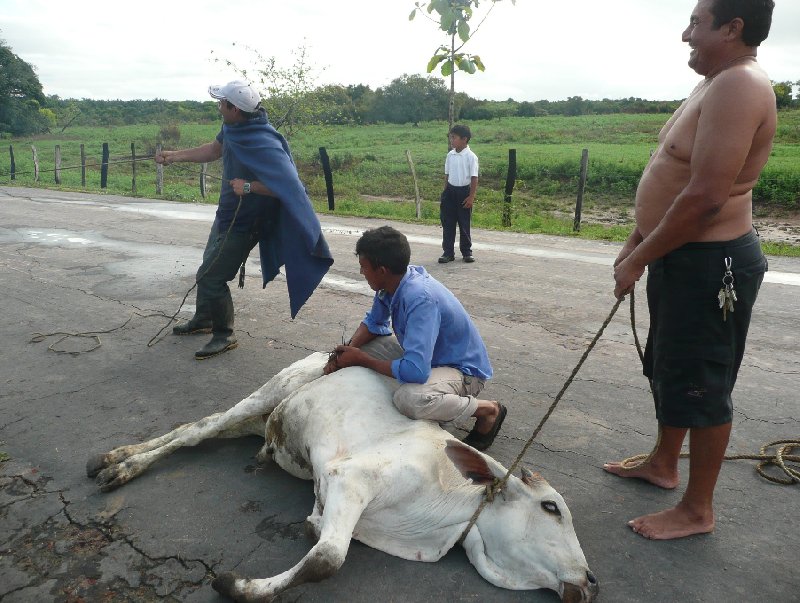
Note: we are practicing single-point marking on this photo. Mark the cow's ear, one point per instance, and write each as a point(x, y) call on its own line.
point(469, 462)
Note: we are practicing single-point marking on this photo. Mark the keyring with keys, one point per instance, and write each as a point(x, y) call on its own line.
point(727, 294)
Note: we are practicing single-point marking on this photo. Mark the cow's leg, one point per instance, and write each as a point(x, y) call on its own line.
point(122, 464)
point(138, 458)
point(252, 426)
point(98, 462)
point(346, 500)
point(314, 521)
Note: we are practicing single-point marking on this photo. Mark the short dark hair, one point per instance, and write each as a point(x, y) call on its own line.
point(756, 14)
point(386, 247)
point(245, 114)
point(462, 131)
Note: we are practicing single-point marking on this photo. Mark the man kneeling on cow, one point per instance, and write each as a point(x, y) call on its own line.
point(436, 352)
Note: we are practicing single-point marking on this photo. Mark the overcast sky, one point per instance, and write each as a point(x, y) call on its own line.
point(536, 49)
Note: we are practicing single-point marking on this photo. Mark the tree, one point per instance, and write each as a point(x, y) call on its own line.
point(286, 92)
point(410, 98)
point(21, 96)
point(576, 105)
point(783, 94)
point(363, 98)
point(338, 105)
point(453, 17)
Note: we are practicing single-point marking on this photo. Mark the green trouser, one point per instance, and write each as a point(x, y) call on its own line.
point(221, 260)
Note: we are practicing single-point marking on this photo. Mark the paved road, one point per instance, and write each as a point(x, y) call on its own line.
point(89, 263)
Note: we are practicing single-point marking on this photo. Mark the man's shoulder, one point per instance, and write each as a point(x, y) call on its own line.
point(419, 282)
point(748, 85)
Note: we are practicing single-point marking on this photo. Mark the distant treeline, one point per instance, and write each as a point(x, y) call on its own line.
point(87, 112)
point(409, 99)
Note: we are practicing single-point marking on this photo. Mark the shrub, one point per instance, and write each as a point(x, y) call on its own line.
point(169, 135)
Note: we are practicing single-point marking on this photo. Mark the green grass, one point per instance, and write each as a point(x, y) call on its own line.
point(784, 249)
point(372, 176)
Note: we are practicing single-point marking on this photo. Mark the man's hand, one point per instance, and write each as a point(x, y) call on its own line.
point(626, 273)
point(468, 202)
point(165, 157)
point(344, 356)
point(237, 184)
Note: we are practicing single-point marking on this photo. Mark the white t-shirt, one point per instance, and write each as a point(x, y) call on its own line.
point(461, 167)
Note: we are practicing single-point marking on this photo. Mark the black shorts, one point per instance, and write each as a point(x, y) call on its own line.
point(692, 355)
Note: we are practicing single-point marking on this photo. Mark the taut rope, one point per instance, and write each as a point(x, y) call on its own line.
point(782, 456)
point(500, 483)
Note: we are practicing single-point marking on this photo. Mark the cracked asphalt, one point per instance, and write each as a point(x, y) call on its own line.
point(113, 269)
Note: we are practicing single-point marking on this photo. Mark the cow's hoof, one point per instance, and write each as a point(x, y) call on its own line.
point(95, 465)
point(224, 584)
point(110, 479)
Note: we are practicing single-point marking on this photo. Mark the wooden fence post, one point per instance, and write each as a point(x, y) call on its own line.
point(133, 169)
point(83, 166)
point(159, 173)
point(104, 167)
point(13, 165)
point(57, 171)
point(416, 184)
point(203, 172)
point(326, 169)
point(35, 164)
point(576, 224)
point(511, 178)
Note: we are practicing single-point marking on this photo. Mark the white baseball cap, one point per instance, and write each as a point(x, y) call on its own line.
point(239, 93)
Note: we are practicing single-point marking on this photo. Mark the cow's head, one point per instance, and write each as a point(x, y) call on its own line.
point(524, 539)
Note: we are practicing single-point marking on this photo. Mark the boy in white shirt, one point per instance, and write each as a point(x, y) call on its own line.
point(458, 197)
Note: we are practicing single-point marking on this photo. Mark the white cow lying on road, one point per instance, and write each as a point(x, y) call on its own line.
point(404, 487)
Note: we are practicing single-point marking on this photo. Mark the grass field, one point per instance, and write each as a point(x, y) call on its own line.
point(371, 174)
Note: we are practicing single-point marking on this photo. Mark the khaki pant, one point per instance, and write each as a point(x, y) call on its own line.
point(447, 396)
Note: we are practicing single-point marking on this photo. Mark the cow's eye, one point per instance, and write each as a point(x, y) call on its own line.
point(551, 507)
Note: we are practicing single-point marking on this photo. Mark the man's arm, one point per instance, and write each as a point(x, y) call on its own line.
point(237, 184)
point(202, 154)
point(732, 112)
point(631, 243)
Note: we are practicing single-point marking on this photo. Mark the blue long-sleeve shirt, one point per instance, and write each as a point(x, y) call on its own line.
point(432, 327)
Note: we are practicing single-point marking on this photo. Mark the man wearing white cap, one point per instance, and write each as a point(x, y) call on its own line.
point(261, 200)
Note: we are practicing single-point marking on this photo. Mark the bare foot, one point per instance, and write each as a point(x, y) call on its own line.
point(677, 522)
point(646, 470)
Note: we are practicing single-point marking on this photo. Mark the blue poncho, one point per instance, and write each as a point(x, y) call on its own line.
point(297, 241)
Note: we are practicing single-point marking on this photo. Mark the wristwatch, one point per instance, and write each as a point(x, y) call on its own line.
point(246, 188)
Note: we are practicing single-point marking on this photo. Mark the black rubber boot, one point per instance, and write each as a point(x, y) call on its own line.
point(199, 324)
point(222, 338)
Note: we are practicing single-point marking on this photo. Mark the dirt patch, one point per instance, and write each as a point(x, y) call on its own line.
point(783, 227)
point(376, 198)
point(779, 230)
point(775, 228)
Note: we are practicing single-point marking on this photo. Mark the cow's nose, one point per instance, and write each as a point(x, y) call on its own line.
point(594, 587)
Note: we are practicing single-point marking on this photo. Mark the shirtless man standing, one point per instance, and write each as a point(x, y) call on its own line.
point(693, 220)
